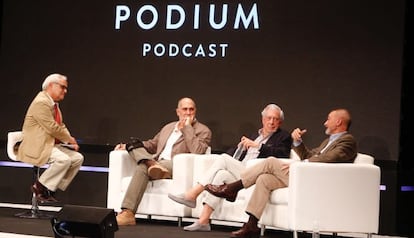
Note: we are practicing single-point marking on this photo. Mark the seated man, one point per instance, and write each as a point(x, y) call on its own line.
point(273, 173)
point(47, 140)
point(270, 140)
point(154, 156)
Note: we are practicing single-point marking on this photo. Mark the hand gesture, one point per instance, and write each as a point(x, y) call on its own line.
point(297, 134)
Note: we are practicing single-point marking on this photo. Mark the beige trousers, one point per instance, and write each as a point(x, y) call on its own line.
point(64, 164)
point(140, 179)
point(268, 176)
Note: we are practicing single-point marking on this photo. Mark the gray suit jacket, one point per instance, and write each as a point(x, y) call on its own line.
point(40, 131)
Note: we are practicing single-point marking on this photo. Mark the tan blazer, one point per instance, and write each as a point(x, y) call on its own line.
point(40, 130)
point(195, 139)
point(342, 150)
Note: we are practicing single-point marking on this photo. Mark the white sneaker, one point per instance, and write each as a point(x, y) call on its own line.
point(197, 227)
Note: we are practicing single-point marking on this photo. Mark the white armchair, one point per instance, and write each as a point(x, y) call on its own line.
point(155, 200)
point(331, 198)
point(334, 198)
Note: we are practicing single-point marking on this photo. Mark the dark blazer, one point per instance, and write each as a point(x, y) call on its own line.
point(278, 145)
point(342, 150)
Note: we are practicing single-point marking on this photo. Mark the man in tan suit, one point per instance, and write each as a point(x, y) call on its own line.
point(46, 140)
point(154, 156)
point(272, 173)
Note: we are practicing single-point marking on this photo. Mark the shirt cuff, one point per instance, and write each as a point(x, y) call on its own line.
point(297, 143)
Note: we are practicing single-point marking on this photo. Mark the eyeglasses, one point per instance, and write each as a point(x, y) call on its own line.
point(63, 87)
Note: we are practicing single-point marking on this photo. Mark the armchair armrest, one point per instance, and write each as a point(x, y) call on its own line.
point(292, 158)
point(120, 165)
point(338, 197)
point(183, 172)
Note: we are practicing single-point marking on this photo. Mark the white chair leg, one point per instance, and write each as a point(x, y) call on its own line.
point(295, 234)
point(262, 230)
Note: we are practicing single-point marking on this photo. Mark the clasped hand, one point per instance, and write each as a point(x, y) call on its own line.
point(120, 146)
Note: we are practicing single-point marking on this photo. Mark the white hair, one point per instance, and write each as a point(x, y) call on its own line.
point(274, 107)
point(53, 78)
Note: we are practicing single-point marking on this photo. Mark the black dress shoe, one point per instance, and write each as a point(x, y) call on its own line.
point(133, 144)
point(222, 191)
point(246, 232)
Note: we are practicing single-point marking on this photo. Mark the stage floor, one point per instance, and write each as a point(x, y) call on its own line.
point(12, 226)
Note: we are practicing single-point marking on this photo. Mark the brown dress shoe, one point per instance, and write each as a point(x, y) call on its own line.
point(47, 199)
point(221, 191)
point(42, 194)
point(246, 232)
point(156, 171)
point(126, 218)
point(37, 189)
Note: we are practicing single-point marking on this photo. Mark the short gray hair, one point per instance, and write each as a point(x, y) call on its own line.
point(53, 78)
point(274, 107)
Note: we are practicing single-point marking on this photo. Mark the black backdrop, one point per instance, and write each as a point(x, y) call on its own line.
point(306, 56)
